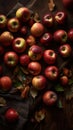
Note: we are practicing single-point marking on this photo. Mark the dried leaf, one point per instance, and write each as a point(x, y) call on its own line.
point(40, 115)
point(2, 101)
point(33, 92)
point(24, 70)
point(36, 17)
point(51, 5)
point(25, 92)
point(69, 93)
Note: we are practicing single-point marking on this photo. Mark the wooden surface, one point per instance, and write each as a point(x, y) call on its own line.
point(56, 119)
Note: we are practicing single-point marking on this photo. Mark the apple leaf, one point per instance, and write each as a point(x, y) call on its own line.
point(2, 102)
point(70, 82)
point(60, 104)
point(59, 88)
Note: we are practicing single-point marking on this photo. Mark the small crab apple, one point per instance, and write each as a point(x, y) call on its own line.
point(30, 40)
point(24, 59)
point(52, 72)
point(23, 14)
point(46, 39)
point(65, 50)
point(49, 98)
point(35, 52)
point(48, 20)
point(11, 115)
point(70, 34)
point(37, 29)
point(34, 68)
point(3, 21)
point(39, 82)
point(60, 36)
point(49, 56)
point(23, 30)
point(64, 80)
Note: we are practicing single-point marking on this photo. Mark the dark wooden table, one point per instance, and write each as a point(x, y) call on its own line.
point(56, 119)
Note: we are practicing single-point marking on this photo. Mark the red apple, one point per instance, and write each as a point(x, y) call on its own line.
point(3, 21)
point(65, 50)
point(48, 20)
point(24, 59)
point(13, 25)
point(10, 59)
point(46, 39)
point(5, 83)
point(19, 44)
point(39, 82)
point(68, 4)
point(34, 68)
point(60, 17)
point(23, 14)
point(49, 56)
point(52, 72)
point(30, 40)
point(60, 36)
point(11, 115)
point(70, 34)
point(1, 50)
point(35, 52)
point(6, 38)
point(23, 30)
point(37, 29)
point(49, 98)
point(64, 80)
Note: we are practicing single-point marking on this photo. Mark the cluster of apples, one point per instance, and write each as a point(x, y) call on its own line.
point(27, 43)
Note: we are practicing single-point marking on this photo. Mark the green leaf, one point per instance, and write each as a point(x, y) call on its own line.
point(70, 82)
point(60, 104)
point(59, 88)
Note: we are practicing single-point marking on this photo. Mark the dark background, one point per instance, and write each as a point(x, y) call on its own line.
point(56, 119)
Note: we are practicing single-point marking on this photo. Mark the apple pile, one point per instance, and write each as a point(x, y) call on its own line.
point(27, 43)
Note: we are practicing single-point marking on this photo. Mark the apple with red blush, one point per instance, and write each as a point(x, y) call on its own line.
point(23, 30)
point(49, 98)
point(60, 36)
point(46, 39)
point(60, 17)
point(5, 83)
point(48, 20)
point(6, 38)
point(64, 80)
point(65, 50)
point(68, 4)
point(49, 56)
point(39, 82)
point(51, 72)
point(70, 34)
point(11, 115)
point(3, 21)
point(34, 68)
point(19, 44)
point(30, 40)
point(13, 25)
point(35, 52)
point(31, 21)
point(11, 59)
point(24, 59)
point(37, 29)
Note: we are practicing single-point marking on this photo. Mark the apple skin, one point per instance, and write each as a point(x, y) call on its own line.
point(24, 59)
point(49, 98)
point(34, 68)
point(31, 22)
point(5, 83)
point(60, 36)
point(37, 29)
point(70, 34)
point(23, 14)
point(39, 82)
point(48, 20)
point(11, 115)
point(30, 40)
point(11, 59)
point(49, 56)
point(51, 72)
point(3, 21)
point(35, 52)
point(6, 38)
point(65, 50)
point(23, 30)
point(68, 4)
point(60, 17)
point(1, 50)
point(64, 80)
point(46, 39)
point(1, 70)
point(13, 25)
point(19, 44)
